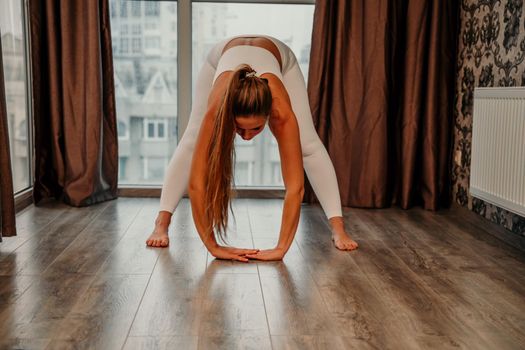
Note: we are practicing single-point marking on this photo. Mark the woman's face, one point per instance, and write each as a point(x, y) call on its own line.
point(250, 125)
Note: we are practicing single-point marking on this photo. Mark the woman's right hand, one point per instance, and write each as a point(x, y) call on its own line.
point(232, 253)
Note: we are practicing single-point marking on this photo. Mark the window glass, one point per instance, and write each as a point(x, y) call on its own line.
point(145, 75)
point(122, 129)
point(151, 130)
point(290, 23)
point(13, 53)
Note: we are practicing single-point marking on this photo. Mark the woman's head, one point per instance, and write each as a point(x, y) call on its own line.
point(251, 102)
point(244, 110)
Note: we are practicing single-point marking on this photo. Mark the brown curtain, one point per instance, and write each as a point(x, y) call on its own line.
point(381, 88)
point(76, 145)
point(7, 198)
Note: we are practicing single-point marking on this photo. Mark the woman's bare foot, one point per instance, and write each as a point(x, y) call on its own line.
point(340, 237)
point(159, 236)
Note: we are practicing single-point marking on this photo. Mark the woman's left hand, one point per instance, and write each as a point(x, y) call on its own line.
point(267, 254)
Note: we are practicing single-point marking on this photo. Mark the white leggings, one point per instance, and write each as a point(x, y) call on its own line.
point(316, 161)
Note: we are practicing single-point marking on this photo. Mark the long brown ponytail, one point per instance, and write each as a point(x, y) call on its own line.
point(244, 96)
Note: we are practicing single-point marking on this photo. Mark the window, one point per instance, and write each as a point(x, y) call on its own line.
point(113, 9)
point(136, 29)
point(123, 132)
point(155, 129)
point(123, 9)
point(122, 162)
point(147, 82)
point(124, 45)
point(136, 45)
point(146, 90)
point(13, 51)
point(152, 9)
point(290, 23)
point(136, 8)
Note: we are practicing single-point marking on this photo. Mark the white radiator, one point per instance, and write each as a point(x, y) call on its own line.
point(497, 172)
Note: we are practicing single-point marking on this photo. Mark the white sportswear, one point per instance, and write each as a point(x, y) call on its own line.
point(316, 161)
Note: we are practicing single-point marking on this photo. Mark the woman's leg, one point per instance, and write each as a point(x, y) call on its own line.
point(177, 174)
point(316, 161)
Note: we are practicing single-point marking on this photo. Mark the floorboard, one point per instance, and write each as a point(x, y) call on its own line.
point(84, 278)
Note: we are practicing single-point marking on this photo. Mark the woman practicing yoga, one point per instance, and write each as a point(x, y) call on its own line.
point(245, 82)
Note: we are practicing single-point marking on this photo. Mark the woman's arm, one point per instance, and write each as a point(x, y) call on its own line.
point(197, 182)
point(284, 126)
point(197, 188)
point(287, 134)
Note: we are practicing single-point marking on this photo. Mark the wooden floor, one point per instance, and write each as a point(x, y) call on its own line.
point(79, 278)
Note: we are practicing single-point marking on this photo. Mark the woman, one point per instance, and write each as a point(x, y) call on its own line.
point(245, 82)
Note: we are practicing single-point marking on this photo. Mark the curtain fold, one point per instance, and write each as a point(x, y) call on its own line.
point(7, 199)
point(76, 141)
point(381, 89)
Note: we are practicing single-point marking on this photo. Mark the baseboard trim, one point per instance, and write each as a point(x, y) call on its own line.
point(513, 239)
point(252, 192)
point(23, 200)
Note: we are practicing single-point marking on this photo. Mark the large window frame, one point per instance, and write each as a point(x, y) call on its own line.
point(184, 71)
point(24, 194)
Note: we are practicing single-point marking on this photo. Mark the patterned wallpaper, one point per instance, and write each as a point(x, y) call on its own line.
point(491, 52)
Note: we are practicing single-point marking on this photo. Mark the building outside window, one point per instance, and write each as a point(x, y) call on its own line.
point(146, 84)
point(155, 129)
